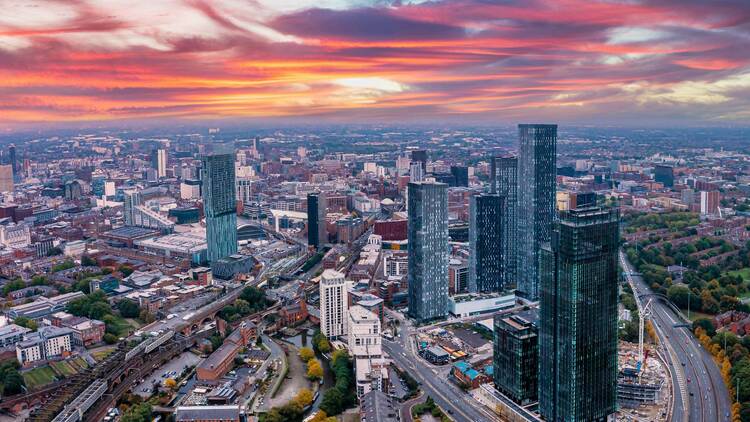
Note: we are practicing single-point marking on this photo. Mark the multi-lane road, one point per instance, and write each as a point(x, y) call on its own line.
point(700, 393)
point(460, 406)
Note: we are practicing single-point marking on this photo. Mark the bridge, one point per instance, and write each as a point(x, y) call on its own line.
point(663, 298)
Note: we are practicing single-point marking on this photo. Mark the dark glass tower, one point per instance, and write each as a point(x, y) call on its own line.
point(420, 156)
point(12, 158)
point(515, 358)
point(486, 253)
point(578, 317)
point(536, 201)
point(316, 220)
point(665, 175)
point(460, 175)
point(428, 250)
point(505, 183)
point(219, 205)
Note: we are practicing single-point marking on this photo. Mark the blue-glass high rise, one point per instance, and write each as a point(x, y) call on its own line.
point(219, 204)
point(578, 317)
point(505, 183)
point(428, 250)
point(536, 200)
point(486, 252)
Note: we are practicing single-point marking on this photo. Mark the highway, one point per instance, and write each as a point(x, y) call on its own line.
point(700, 393)
point(460, 406)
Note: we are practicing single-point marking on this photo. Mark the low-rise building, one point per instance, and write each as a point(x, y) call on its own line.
point(221, 360)
point(43, 306)
point(476, 304)
point(223, 413)
point(48, 342)
point(376, 406)
point(12, 334)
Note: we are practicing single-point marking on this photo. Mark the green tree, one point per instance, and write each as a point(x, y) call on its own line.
point(88, 261)
point(128, 308)
point(137, 413)
point(125, 270)
point(26, 322)
point(679, 295)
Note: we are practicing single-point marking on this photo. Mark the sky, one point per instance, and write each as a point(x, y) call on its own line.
point(629, 62)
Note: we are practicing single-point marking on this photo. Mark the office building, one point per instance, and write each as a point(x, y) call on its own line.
point(334, 304)
point(219, 204)
point(460, 175)
point(505, 183)
point(317, 234)
point(428, 250)
point(420, 156)
point(578, 317)
point(131, 200)
point(13, 161)
point(710, 202)
point(6, 178)
point(664, 175)
point(515, 358)
point(486, 254)
point(416, 172)
point(159, 162)
point(11, 334)
point(536, 201)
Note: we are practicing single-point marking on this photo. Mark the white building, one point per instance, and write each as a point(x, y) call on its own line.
point(364, 332)
point(15, 236)
point(476, 304)
point(74, 248)
point(333, 304)
point(395, 264)
point(190, 189)
point(161, 163)
point(48, 342)
point(365, 347)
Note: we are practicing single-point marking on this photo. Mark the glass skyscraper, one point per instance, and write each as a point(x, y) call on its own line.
point(317, 206)
point(486, 252)
point(578, 317)
point(505, 183)
point(536, 201)
point(428, 250)
point(219, 204)
point(515, 358)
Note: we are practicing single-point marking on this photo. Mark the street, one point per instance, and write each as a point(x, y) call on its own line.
point(700, 393)
point(459, 405)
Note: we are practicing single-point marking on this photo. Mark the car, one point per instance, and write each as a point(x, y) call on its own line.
point(683, 363)
point(691, 394)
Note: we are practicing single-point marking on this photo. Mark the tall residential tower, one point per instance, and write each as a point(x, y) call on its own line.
point(505, 183)
point(219, 205)
point(428, 250)
point(578, 317)
point(536, 201)
point(486, 249)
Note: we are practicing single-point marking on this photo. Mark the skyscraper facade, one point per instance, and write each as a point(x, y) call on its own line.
point(420, 156)
point(428, 250)
point(219, 204)
point(6, 178)
point(317, 207)
point(505, 183)
point(13, 161)
point(515, 358)
point(334, 305)
point(536, 201)
point(486, 253)
point(578, 317)
point(159, 162)
point(665, 175)
point(460, 176)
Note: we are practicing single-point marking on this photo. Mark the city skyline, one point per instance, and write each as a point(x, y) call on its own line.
point(576, 62)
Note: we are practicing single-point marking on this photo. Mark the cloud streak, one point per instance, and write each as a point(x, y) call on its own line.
point(665, 61)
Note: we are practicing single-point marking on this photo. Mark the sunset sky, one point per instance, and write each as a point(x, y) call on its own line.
point(579, 61)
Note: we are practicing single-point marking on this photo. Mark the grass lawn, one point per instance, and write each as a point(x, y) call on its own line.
point(64, 368)
point(81, 362)
point(101, 354)
point(38, 377)
point(744, 273)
